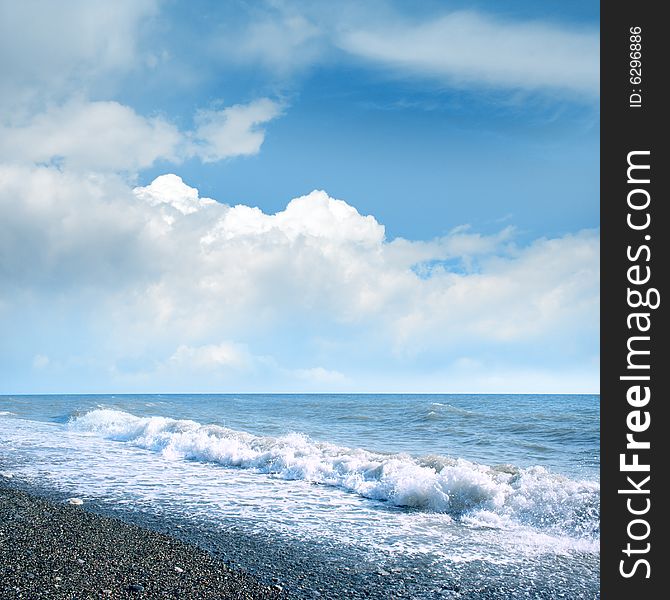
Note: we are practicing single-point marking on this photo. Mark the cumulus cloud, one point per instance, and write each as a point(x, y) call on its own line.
point(316, 289)
point(469, 47)
point(315, 215)
point(104, 283)
point(170, 191)
point(61, 230)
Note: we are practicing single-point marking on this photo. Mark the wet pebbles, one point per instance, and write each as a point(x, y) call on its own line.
point(51, 550)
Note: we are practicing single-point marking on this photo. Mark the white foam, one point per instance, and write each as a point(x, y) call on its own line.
point(457, 487)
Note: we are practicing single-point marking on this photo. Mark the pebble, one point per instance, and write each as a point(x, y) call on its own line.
point(51, 542)
point(136, 555)
point(75, 501)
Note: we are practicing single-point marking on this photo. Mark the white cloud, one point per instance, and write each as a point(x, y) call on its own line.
point(522, 294)
point(457, 48)
point(49, 48)
point(108, 136)
point(99, 275)
point(92, 136)
point(281, 42)
point(60, 230)
point(315, 215)
point(468, 47)
point(232, 131)
point(315, 289)
point(170, 190)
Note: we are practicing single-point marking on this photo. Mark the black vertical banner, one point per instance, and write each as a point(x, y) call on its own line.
point(635, 255)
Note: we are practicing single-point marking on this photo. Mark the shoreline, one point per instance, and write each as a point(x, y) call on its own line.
point(43, 537)
point(54, 550)
point(101, 548)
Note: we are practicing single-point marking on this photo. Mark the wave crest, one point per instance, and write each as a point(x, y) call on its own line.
point(531, 496)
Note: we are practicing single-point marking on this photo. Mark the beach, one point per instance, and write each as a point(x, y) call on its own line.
point(264, 496)
point(51, 549)
point(56, 550)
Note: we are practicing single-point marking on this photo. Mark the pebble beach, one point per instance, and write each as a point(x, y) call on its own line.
point(51, 550)
point(156, 497)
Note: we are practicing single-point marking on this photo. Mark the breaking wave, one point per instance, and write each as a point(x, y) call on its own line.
point(465, 490)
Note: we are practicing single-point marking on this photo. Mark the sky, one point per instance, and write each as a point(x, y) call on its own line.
point(286, 196)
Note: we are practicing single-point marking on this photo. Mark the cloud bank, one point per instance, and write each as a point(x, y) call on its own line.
point(109, 286)
point(169, 288)
point(48, 49)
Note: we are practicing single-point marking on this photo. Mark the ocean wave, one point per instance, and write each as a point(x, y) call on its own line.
point(438, 411)
point(529, 496)
point(450, 408)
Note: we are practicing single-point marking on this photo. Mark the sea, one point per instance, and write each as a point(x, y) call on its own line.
point(473, 492)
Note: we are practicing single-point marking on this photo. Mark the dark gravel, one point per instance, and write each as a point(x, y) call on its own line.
point(50, 550)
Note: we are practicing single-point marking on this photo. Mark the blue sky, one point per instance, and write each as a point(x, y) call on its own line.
point(454, 246)
point(460, 153)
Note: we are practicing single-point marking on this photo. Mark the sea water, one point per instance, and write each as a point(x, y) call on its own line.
point(506, 482)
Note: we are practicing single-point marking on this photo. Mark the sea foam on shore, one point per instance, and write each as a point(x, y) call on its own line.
point(348, 496)
point(531, 496)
